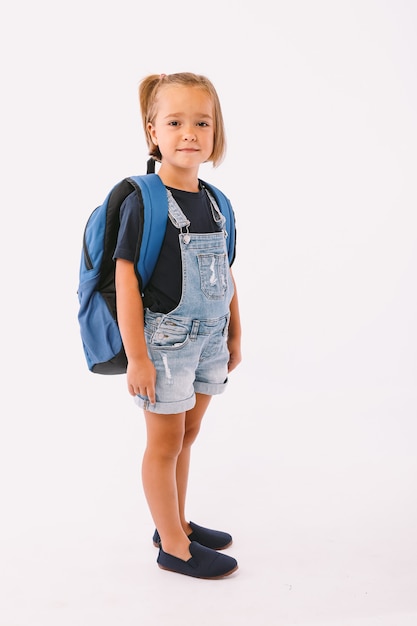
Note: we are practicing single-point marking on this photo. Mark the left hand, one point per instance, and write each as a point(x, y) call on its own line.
point(235, 353)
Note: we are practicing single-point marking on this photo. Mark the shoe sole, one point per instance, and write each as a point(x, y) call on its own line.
point(167, 569)
point(158, 545)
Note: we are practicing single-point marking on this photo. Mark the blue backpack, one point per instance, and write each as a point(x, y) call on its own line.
point(97, 316)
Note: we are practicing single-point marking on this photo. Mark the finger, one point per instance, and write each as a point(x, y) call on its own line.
point(151, 395)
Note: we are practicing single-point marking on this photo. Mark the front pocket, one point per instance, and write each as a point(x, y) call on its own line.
point(213, 275)
point(169, 334)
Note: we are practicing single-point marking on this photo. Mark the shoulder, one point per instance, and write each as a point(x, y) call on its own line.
point(225, 205)
point(223, 201)
point(215, 190)
point(131, 200)
point(131, 206)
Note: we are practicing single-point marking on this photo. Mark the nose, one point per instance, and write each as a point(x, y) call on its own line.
point(189, 134)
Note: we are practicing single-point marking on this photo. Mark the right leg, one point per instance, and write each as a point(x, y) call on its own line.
point(165, 436)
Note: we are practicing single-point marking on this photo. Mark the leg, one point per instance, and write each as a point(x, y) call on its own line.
point(165, 436)
point(165, 475)
point(192, 426)
point(165, 472)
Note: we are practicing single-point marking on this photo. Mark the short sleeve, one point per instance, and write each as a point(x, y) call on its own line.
point(130, 216)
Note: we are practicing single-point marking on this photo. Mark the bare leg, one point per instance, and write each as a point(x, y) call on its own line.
point(165, 471)
point(192, 427)
point(165, 434)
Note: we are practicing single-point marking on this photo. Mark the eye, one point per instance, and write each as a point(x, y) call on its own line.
point(203, 124)
point(173, 123)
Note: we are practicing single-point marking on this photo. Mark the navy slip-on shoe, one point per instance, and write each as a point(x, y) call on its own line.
point(214, 539)
point(204, 563)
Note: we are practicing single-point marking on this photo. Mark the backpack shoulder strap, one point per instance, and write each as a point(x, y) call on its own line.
point(155, 207)
point(226, 209)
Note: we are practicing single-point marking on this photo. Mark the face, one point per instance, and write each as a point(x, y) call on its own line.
point(183, 127)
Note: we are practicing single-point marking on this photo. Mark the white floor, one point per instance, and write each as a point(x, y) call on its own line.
point(319, 491)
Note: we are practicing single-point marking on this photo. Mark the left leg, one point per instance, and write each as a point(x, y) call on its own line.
point(193, 420)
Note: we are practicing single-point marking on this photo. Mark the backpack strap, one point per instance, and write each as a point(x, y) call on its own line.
point(155, 207)
point(226, 209)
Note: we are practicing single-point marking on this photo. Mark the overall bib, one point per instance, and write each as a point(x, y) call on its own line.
point(188, 346)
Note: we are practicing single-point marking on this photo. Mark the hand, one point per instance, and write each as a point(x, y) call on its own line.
point(141, 379)
point(235, 354)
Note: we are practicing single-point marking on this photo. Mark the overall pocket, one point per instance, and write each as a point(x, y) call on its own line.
point(213, 274)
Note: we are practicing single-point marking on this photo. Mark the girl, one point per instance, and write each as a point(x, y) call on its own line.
point(182, 336)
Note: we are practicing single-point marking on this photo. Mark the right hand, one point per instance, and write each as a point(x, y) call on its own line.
point(141, 379)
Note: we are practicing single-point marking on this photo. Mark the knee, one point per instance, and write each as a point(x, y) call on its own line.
point(165, 448)
point(190, 435)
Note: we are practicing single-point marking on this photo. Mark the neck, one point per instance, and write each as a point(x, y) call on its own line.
point(187, 180)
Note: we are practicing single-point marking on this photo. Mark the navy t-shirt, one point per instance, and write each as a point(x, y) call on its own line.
point(163, 292)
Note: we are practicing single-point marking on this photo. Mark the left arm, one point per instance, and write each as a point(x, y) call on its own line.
point(235, 331)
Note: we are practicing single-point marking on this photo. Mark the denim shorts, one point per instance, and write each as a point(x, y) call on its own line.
point(190, 356)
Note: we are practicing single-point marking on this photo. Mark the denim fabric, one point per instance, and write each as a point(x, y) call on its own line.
point(188, 346)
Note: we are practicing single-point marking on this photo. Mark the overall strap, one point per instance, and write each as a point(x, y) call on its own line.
point(226, 209)
point(175, 213)
point(218, 216)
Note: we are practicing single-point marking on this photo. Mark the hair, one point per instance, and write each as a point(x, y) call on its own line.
point(149, 89)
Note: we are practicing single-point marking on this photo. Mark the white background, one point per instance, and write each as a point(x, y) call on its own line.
point(310, 457)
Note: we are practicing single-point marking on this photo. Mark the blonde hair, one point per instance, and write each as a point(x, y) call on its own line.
point(149, 89)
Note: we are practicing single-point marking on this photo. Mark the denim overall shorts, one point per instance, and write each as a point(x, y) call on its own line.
point(188, 346)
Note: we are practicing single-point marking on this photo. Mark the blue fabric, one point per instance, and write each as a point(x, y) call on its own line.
point(96, 291)
point(188, 346)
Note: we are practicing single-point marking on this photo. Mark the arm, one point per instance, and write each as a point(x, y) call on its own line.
point(235, 331)
point(141, 375)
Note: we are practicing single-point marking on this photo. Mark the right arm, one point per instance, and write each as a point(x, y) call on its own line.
point(141, 374)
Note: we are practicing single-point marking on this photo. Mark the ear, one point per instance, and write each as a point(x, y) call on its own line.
point(152, 133)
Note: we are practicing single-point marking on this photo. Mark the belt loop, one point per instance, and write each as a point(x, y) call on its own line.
point(194, 330)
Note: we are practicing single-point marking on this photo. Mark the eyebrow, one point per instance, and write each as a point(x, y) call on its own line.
point(199, 115)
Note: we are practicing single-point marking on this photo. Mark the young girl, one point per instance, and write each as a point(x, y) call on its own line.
point(182, 336)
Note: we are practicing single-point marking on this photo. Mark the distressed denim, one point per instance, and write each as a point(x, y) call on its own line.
point(188, 346)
